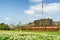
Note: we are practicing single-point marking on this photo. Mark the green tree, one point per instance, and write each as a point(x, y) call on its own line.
point(4, 26)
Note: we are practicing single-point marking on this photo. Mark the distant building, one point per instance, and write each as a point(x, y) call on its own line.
point(43, 22)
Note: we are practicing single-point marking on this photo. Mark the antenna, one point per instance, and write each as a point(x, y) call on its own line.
point(42, 14)
point(42, 10)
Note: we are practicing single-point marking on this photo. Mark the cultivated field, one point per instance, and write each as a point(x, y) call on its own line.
point(29, 35)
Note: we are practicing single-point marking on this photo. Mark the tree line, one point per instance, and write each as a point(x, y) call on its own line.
point(4, 26)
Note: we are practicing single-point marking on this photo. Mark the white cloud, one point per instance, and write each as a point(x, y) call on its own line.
point(52, 8)
point(35, 0)
point(50, 11)
point(7, 18)
point(48, 8)
point(29, 11)
point(37, 7)
point(48, 17)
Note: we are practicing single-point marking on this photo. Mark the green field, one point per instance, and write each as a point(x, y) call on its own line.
point(29, 35)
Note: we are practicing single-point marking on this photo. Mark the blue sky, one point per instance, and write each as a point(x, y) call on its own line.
point(14, 11)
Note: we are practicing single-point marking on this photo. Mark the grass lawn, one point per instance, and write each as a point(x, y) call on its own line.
point(29, 35)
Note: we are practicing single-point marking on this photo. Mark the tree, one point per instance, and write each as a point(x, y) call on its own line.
point(56, 23)
point(4, 26)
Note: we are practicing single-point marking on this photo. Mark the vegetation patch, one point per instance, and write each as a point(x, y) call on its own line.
point(32, 35)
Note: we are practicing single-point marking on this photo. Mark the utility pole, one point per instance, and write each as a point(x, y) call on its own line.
point(20, 26)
